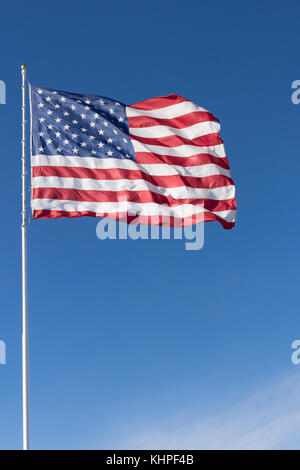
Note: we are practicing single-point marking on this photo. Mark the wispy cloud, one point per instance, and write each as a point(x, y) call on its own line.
point(267, 419)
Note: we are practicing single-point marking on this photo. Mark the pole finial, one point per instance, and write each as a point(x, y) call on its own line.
point(23, 68)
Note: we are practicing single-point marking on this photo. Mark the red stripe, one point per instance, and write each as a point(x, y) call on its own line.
point(195, 160)
point(174, 222)
point(176, 140)
point(180, 122)
point(65, 194)
point(172, 181)
point(158, 102)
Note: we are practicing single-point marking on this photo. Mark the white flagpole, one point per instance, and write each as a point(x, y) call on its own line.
point(25, 388)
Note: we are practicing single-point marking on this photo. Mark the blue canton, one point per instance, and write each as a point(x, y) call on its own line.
point(78, 125)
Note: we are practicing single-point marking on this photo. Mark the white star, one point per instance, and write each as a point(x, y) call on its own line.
point(40, 105)
point(100, 145)
point(87, 108)
point(66, 141)
point(57, 106)
point(49, 141)
point(40, 92)
point(41, 134)
point(115, 132)
point(75, 122)
point(83, 129)
point(63, 99)
point(92, 124)
point(75, 150)
point(48, 98)
point(73, 107)
point(96, 116)
point(101, 102)
point(117, 104)
point(111, 111)
point(66, 113)
point(74, 136)
point(54, 92)
point(66, 127)
point(93, 152)
point(109, 153)
point(120, 119)
point(58, 149)
point(42, 119)
point(109, 140)
point(41, 149)
point(50, 126)
point(92, 137)
point(57, 134)
point(49, 112)
point(83, 144)
point(128, 156)
point(105, 124)
point(119, 148)
point(101, 132)
point(78, 101)
point(87, 101)
point(125, 141)
point(57, 120)
point(83, 116)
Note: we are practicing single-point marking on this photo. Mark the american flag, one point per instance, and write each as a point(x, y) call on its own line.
point(160, 161)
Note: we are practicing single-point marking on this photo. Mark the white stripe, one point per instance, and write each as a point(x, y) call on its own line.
point(148, 209)
point(155, 169)
point(84, 162)
point(169, 112)
point(183, 192)
point(181, 151)
point(191, 132)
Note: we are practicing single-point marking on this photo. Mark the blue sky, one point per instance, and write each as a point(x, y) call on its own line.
point(141, 344)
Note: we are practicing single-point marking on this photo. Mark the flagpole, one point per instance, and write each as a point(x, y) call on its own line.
point(25, 388)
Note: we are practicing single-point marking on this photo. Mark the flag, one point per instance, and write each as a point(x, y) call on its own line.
point(160, 161)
